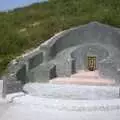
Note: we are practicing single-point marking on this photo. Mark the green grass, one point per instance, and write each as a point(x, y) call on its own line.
point(18, 34)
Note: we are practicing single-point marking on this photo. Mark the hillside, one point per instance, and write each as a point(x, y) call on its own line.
point(24, 28)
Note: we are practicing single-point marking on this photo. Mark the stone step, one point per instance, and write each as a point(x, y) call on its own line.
point(85, 77)
point(68, 91)
point(86, 74)
point(81, 81)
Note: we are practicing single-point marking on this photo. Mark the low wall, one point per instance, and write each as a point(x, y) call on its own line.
point(47, 60)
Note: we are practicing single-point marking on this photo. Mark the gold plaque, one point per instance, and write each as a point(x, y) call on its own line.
point(91, 63)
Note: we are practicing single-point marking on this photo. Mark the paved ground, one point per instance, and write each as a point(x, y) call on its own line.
point(35, 108)
point(64, 101)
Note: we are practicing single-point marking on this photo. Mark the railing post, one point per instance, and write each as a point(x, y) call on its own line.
point(4, 87)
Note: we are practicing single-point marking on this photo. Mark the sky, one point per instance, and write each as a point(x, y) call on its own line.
point(6, 5)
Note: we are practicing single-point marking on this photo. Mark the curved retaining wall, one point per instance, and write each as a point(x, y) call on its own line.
point(64, 54)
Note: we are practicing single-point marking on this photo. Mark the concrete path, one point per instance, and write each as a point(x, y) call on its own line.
point(35, 108)
point(67, 101)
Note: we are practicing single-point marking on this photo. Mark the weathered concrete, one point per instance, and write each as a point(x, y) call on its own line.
point(58, 53)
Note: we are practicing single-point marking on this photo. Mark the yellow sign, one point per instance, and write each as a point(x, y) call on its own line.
point(91, 63)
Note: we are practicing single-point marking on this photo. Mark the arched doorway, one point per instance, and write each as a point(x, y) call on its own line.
point(91, 63)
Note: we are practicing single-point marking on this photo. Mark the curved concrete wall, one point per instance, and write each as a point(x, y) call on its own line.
point(66, 52)
point(81, 53)
point(91, 33)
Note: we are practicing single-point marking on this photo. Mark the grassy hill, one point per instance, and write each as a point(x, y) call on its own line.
point(27, 27)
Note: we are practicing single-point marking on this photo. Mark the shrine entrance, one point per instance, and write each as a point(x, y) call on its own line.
point(91, 63)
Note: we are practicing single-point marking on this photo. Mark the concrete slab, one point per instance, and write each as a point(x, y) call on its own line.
point(35, 108)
